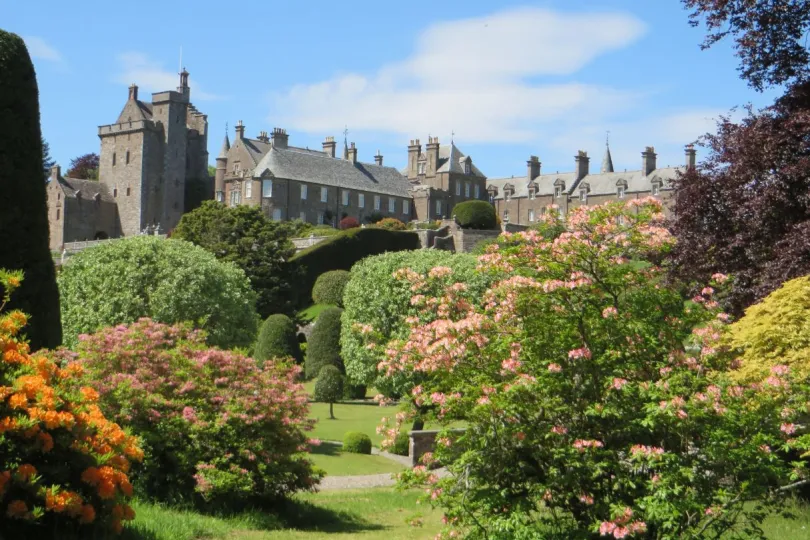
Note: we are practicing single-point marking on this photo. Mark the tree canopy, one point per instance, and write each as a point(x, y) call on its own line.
point(85, 167)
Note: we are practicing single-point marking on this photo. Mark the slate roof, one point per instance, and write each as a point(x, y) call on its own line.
point(545, 184)
point(226, 145)
point(136, 110)
point(88, 189)
point(256, 148)
point(309, 166)
point(451, 159)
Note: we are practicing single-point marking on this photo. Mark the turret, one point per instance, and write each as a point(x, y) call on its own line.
point(222, 167)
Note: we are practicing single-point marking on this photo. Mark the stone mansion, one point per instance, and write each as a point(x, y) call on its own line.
point(155, 150)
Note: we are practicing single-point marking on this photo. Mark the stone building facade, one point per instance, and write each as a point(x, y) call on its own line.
point(523, 200)
point(147, 159)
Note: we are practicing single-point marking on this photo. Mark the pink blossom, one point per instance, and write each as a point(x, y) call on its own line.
point(707, 291)
point(576, 354)
point(554, 368)
point(586, 499)
point(788, 429)
point(609, 312)
point(559, 430)
point(780, 370)
point(719, 278)
point(618, 383)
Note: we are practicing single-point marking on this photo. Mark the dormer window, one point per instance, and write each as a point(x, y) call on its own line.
point(532, 191)
point(467, 167)
point(420, 167)
point(508, 191)
point(583, 196)
point(656, 188)
point(559, 186)
point(621, 189)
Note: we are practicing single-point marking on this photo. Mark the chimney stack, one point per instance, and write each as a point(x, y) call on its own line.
point(280, 138)
point(56, 172)
point(583, 164)
point(648, 164)
point(133, 92)
point(263, 137)
point(378, 159)
point(432, 150)
point(352, 153)
point(329, 146)
point(414, 151)
point(691, 155)
point(533, 168)
point(240, 130)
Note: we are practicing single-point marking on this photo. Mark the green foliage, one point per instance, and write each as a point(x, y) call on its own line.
point(776, 331)
point(329, 385)
point(354, 391)
point(357, 443)
point(323, 348)
point(23, 210)
point(374, 217)
point(47, 159)
point(377, 304)
point(197, 190)
point(170, 281)
point(278, 338)
point(401, 446)
point(244, 236)
point(391, 224)
point(475, 215)
point(344, 249)
point(329, 287)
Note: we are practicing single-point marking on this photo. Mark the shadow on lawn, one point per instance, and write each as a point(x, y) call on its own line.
point(306, 516)
point(326, 449)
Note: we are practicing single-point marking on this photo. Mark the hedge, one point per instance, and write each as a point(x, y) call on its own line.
point(356, 443)
point(475, 215)
point(341, 251)
point(24, 226)
point(329, 287)
point(278, 339)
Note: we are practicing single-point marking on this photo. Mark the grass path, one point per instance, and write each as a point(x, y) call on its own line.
point(330, 458)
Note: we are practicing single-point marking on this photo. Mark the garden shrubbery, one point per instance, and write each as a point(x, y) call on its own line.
point(391, 224)
point(329, 286)
point(167, 280)
point(63, 465)
point(219, 430)
point(348, 223)
point(278, 339)
point(475, 215)
point(401, 444)
point(323, 347)
point(357, 443)
point(329, 387)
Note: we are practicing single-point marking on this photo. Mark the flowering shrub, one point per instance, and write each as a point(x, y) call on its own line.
point(597, 399)
point(217, 427)
point(348, 223)
point(392, 224)
point(63, 465)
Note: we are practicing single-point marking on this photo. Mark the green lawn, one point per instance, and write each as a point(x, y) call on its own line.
point(381, 514)
point(310, 313)
point(330, 458)
point(349, 417)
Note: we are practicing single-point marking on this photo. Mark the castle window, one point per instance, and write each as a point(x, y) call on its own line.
point(248, 189)
point(303, 216)
point(115, 192)
point(467, 167)
point(531, 214)
point(220, 197)
point(267, 189)
point(439, 208)
point(320, 217)
point(507, 195)
point(406, 207)
point(236, 166)
point(477, 191)
point(361, 200)
point(466, 189)
point(420, 167)
point(324, 194)
point(113, 159)
point(376, 202)
point(506, 216)
point(276, 214)
point(128, 191)
point(345, 198)
point(303, 192)
point(392, 204)
point(458, 188)
point(57, 214)
point(58, 196)
point(127, 158)
point(620, 192)
point(236, 195)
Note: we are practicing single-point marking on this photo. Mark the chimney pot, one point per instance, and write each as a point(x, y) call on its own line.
point(56, 172)
point(133, 92)
point(583, 164)
point(648, 160)
point(691, 156)
point(378, 159)
point(280, 138)
point(329, 146)
point(533, 168)
point(352, 153)
point(240, 130)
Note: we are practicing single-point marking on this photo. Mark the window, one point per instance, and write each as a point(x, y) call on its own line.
point(467, 167)
point(57, 214)
point(458, 188)
point(532, 193)
point(507, 195)
point(58, 196)
point(276, 214)
point(249, 189)
point(531, 214)
point(115, 192)
point(420, 167)
point(376, 202)
point(392, 204)
point(466, 189)
point(438, 208)
point(303, 192)
point(127, 158)
point(236, 167)
point(220, 196)
point(557, 192)
point(477, 191)
point(583, 196)
point(324, 194)
point(320, 217)
point(302, 216)
point(361, 200)
point(113, 159)
point(506, 216)
point(406, 207)
point(620, 192)
point(345, 198)
point(236, 196)
point(656, 189)
point(267, 189)
point(127, 192)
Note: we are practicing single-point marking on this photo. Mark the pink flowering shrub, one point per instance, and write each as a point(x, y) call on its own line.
point(597, 398)
point(217, 427)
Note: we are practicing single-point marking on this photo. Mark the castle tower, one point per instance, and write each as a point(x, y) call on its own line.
point(222, 167)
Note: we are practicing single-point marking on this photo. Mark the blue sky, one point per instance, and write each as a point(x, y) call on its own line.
point(510, 79)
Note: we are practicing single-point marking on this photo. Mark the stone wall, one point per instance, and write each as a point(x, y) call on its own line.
point(466, 239)
point(303, 243)
point(421, 442)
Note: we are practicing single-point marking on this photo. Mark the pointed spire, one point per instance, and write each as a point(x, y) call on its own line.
point(346, 143)
point(226, 145)
point(607, 161)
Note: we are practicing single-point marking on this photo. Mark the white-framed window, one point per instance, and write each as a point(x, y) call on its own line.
point(276, 214)
point(361, 200)
point(506, 215)
point(439, 208)
point(458, 188)
point(236, 196)
point(304, 190)
point(248, 189)
point(267, 189)
point(477, 191)
point(656, 189)
point(467, 167)
point(466, 189)
point(302, 216)
point(406, 207)
point(620, 192)
point(392, 204)
point(376, 202)
point(507, 195)
point(236, 167)
point(320, 217)
point(532, 194)
point(531, 214)
point(324, 194)
point(220, 196)
point(345, 198)
point(420, 167)
point(583, 196)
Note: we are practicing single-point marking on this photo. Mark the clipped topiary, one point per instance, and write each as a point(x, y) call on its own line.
point(391, 224)
point(348, 223)
point(475, 215)
point(774, 332)
point(328, 288)
point(278, 339)
point(356, 443)
point(401, 446)
point(323, 348)
point(23, 208)
point(329, 387)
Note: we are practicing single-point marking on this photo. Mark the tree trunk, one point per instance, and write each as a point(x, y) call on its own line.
point(331, 414)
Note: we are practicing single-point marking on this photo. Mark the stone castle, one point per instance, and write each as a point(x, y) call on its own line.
point(156, 150)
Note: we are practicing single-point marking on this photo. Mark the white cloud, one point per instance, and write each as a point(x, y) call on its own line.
point(39, 49)
point(149, 74)
point(474, 76)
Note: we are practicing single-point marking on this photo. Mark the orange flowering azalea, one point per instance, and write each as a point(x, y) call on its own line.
point(46, 440)
point(88, 514)
point(18, 401)
point(17, 509)
point(26, 471)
